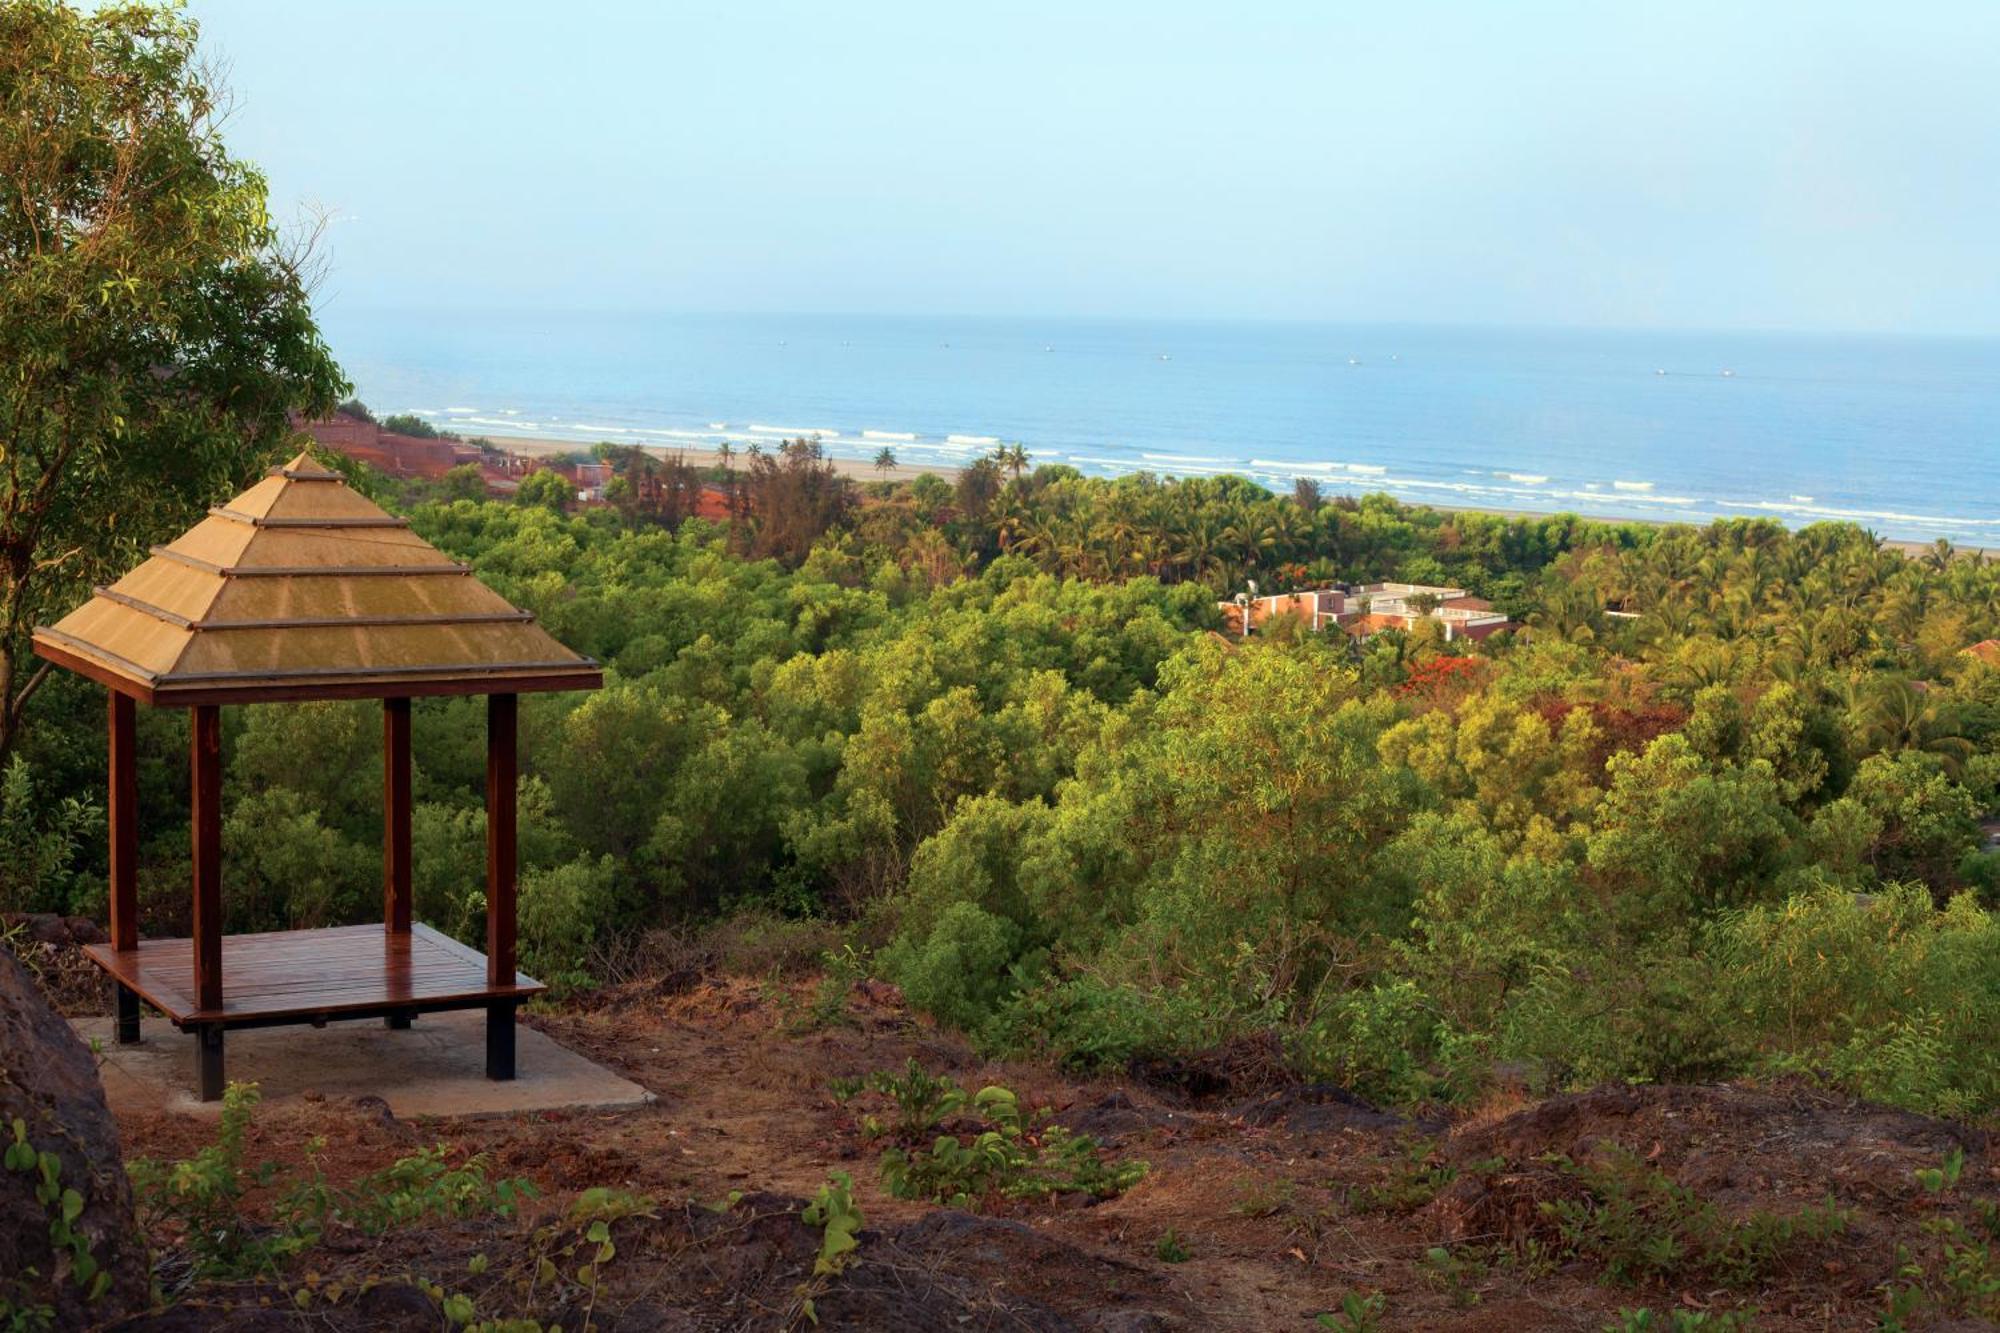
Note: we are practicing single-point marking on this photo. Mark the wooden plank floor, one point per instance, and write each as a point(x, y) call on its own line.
point(303, 974)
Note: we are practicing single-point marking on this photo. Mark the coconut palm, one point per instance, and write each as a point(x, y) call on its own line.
point(1897, 714)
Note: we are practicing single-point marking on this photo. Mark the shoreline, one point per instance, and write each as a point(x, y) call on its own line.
point(861, 470)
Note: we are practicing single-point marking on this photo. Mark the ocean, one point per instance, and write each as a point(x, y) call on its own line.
point(1901, 435)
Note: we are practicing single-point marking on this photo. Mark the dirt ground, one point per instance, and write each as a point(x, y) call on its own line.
point(1263, 1206)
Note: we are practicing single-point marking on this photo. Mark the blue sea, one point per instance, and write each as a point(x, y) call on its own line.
point(1901, 435)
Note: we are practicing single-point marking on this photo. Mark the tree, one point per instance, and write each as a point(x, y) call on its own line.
point(548, 488)
point(155, 327)
point(409, 423)
point(464, 482)
point(791, 499)
point(885, 461)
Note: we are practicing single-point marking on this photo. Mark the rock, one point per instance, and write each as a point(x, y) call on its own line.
point(49, 1082)
point(51, 929)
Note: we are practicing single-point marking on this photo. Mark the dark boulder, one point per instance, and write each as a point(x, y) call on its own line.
point(50, 1089)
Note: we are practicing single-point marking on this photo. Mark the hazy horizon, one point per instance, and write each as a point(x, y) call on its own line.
point(1797, 169)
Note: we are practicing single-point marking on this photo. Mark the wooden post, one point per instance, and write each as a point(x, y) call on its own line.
point(502, 776)
point(206, 761)
point(396, 802)
point(123, 816)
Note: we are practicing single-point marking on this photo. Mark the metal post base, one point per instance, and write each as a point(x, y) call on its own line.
point(398, 1022)
point(208, 1062)
point(500, 1042)
point(128, 1015)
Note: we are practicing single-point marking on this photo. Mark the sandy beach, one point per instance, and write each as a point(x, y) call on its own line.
point(862, 470)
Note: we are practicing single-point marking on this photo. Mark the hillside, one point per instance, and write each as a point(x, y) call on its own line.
point(1263, 1204)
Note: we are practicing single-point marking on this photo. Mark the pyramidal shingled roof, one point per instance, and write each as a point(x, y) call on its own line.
point(299, 588)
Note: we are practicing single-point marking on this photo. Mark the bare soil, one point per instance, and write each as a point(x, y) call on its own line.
point(1283, 1198)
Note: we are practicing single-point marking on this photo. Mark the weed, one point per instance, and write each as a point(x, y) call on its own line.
point(205, 1193)
point(1680, 1321)
point(1420, 1176)
point(19, 1308)
point(411, 1189)
point(839, 1219)
point(1004, 1155)
point(1643, 1227)
point(952, 1172)
point(1457, 1273)
point(844, 967)
point(922, 1101)
point(1170, 1248)
point(1357, 1313)
point(1258, 1197)
point(1938, 1179)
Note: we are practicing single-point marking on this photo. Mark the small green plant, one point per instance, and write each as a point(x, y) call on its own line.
point(1259, 1197)
point(922, 1101)
point(1641, 1226)
point(1357, 1313)
point(1170, 1248)
point(1414, 1180)
point(21, 1308)
point(1680, 1321)
point(204, 1195)
point(1938, 1179)
point(839, 1220)
point(1456, 1273)
point(1004, 1155)
point(952, 1172)
point(843, 968)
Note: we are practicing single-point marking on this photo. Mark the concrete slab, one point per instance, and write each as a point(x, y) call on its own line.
point(434, 1068)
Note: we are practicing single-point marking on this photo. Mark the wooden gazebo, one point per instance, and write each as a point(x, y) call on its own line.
point(299, 589)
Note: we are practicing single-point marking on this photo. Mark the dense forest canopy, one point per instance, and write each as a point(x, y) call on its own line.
point(1714, 809)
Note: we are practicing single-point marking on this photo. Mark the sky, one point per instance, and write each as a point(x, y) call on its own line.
point(1780, 165)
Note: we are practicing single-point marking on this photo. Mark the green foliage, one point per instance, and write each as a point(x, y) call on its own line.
point(424, 1185)
point(39, 843)
point(993, 1147)
point(839, 1220)
point(1641, 1227)
point(1680, 1321)
point(154, 326)
point(1357, 1313)
point(23, 1296)
point(547, 489)
point(835, 1213)
point(202, 1198)
point(1170, 1248)
point(409, 423)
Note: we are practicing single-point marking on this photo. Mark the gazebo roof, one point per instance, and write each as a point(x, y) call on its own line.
point(300, 588)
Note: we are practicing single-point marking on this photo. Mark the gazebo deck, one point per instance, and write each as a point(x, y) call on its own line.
point(311, 976)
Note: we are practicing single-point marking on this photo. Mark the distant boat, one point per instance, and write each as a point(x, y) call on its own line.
point(1353, 361)
point(1659, 372)
point(1728, 374)
point(1048, 349)
point(1165, 357)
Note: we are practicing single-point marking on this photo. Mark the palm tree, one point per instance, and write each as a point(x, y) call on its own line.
point(1898, 714)
point(885, 460)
